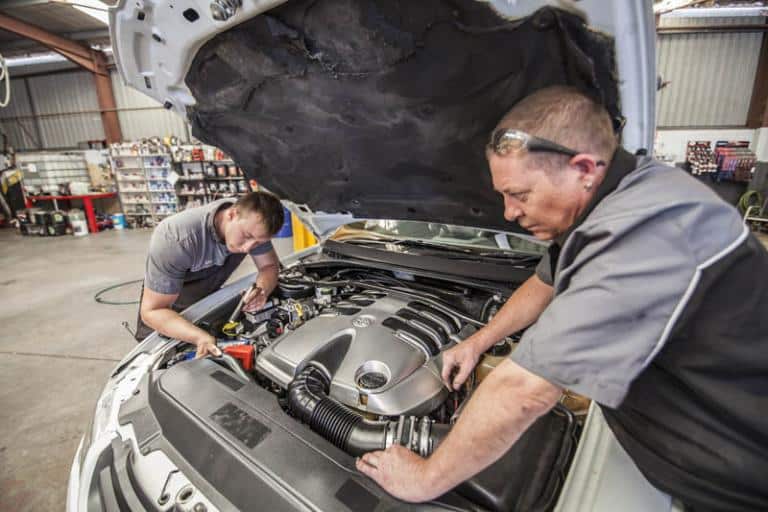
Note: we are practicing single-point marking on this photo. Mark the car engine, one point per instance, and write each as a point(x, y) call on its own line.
point(382, 347)
point(355, 354)
point(376, 337)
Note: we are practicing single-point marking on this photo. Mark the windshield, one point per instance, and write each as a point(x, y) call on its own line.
point(437, 233)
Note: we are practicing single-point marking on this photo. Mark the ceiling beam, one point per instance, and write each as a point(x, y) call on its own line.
point(55, 42)
point(8, 4)
point(757, 116)
point(82, 55)
point(83, 35)
point(704, 29)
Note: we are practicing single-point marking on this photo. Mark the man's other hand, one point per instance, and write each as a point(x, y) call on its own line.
point(207, 347)
point(462, 359)
point(255, 298)
point(401, 473)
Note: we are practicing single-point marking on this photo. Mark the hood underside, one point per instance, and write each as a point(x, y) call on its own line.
point(382, 108)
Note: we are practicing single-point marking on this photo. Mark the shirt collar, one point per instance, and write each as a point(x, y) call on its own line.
point(622, 163)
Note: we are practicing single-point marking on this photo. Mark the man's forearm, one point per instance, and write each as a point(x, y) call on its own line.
point(507, 402)
point(171, 324)
point(521, 309)
point(267, 278)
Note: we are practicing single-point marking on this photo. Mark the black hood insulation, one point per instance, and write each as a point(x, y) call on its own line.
point(382, 108)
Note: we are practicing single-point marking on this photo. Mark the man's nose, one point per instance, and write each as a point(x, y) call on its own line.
point(512, 212)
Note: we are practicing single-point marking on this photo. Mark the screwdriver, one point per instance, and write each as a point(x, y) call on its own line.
point(232, 323)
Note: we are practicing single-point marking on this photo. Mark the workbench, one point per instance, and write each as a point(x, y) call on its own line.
point(87, 200)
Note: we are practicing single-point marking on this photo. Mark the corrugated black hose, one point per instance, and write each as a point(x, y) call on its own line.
point(308, 400)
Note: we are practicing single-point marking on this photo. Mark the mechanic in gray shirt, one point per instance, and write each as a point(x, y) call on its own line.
point(652, 302)
point(192, 253)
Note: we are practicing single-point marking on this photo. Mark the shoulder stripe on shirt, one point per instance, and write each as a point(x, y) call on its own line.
point(689, 292)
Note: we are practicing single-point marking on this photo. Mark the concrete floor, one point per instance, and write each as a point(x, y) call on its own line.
point(57, 346)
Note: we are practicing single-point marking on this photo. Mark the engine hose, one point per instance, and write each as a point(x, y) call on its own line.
point(308, 400)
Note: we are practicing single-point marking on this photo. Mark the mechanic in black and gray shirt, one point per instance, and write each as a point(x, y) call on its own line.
point(192, 253)
point(652, 301)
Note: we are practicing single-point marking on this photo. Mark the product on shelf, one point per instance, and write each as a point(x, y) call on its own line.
point(700, 157)
point(735, 160)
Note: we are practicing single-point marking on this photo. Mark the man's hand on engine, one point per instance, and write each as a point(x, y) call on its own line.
point(207, 346)
point(460, 359)
point(401, 473)
point(254, 300)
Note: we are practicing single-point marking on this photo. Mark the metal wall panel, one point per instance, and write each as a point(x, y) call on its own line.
point(22, 132)
point(711, 75)
point(152, 119)
point(66, 93)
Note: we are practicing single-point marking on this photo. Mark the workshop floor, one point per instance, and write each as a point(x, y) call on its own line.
point(57, 346)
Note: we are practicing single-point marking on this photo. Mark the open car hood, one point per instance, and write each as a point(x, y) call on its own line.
point(381, 109)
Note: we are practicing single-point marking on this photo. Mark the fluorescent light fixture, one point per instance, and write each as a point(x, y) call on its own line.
point(93, 8)
point(669, 5)
point(33, 59)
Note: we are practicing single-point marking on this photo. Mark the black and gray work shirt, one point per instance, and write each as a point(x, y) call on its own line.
point(185, 246)
point(660, 314)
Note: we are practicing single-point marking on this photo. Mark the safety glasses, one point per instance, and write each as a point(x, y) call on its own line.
point(505, 141)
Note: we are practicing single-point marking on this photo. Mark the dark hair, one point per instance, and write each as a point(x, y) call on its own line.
point(265, 204)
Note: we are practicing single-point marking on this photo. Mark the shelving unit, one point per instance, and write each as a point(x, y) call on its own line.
point(203, 181)
point(145, 193)
point(44, 172)
point(146, 187)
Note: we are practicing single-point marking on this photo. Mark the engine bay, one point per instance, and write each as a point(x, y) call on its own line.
point(355, 354)
point(378, 334)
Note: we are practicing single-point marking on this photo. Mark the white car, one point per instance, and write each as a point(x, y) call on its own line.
point(371, 115)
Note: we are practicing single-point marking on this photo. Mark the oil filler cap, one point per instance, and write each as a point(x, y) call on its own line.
point(372, 375)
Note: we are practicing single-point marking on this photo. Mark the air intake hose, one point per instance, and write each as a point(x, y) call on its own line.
point(308, 400)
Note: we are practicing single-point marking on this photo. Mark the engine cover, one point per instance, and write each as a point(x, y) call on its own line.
point(380, 350)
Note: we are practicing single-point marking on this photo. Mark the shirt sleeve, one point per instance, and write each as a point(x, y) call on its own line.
point(544, 268)
point(167, 263)
point(261, 249)
point(623, 296)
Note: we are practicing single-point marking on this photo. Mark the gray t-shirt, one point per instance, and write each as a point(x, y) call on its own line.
point(622, 279)
point(185, 243)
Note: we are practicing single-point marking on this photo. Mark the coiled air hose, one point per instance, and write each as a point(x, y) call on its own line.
point(749, 198)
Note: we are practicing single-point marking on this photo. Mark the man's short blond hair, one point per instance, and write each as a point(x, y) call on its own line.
point(567, 116)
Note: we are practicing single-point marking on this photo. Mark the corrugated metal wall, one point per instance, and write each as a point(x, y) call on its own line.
point(711, 75)
point(151, 119)
point(66, 112)
point(22, 133)
point(57, 98)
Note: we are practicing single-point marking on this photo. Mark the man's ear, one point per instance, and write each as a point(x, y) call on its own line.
point(587, 166)
point(231, 213)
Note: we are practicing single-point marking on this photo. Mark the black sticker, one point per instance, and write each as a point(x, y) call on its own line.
point(356, 497)
point(240, 424)
point(228, 380)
